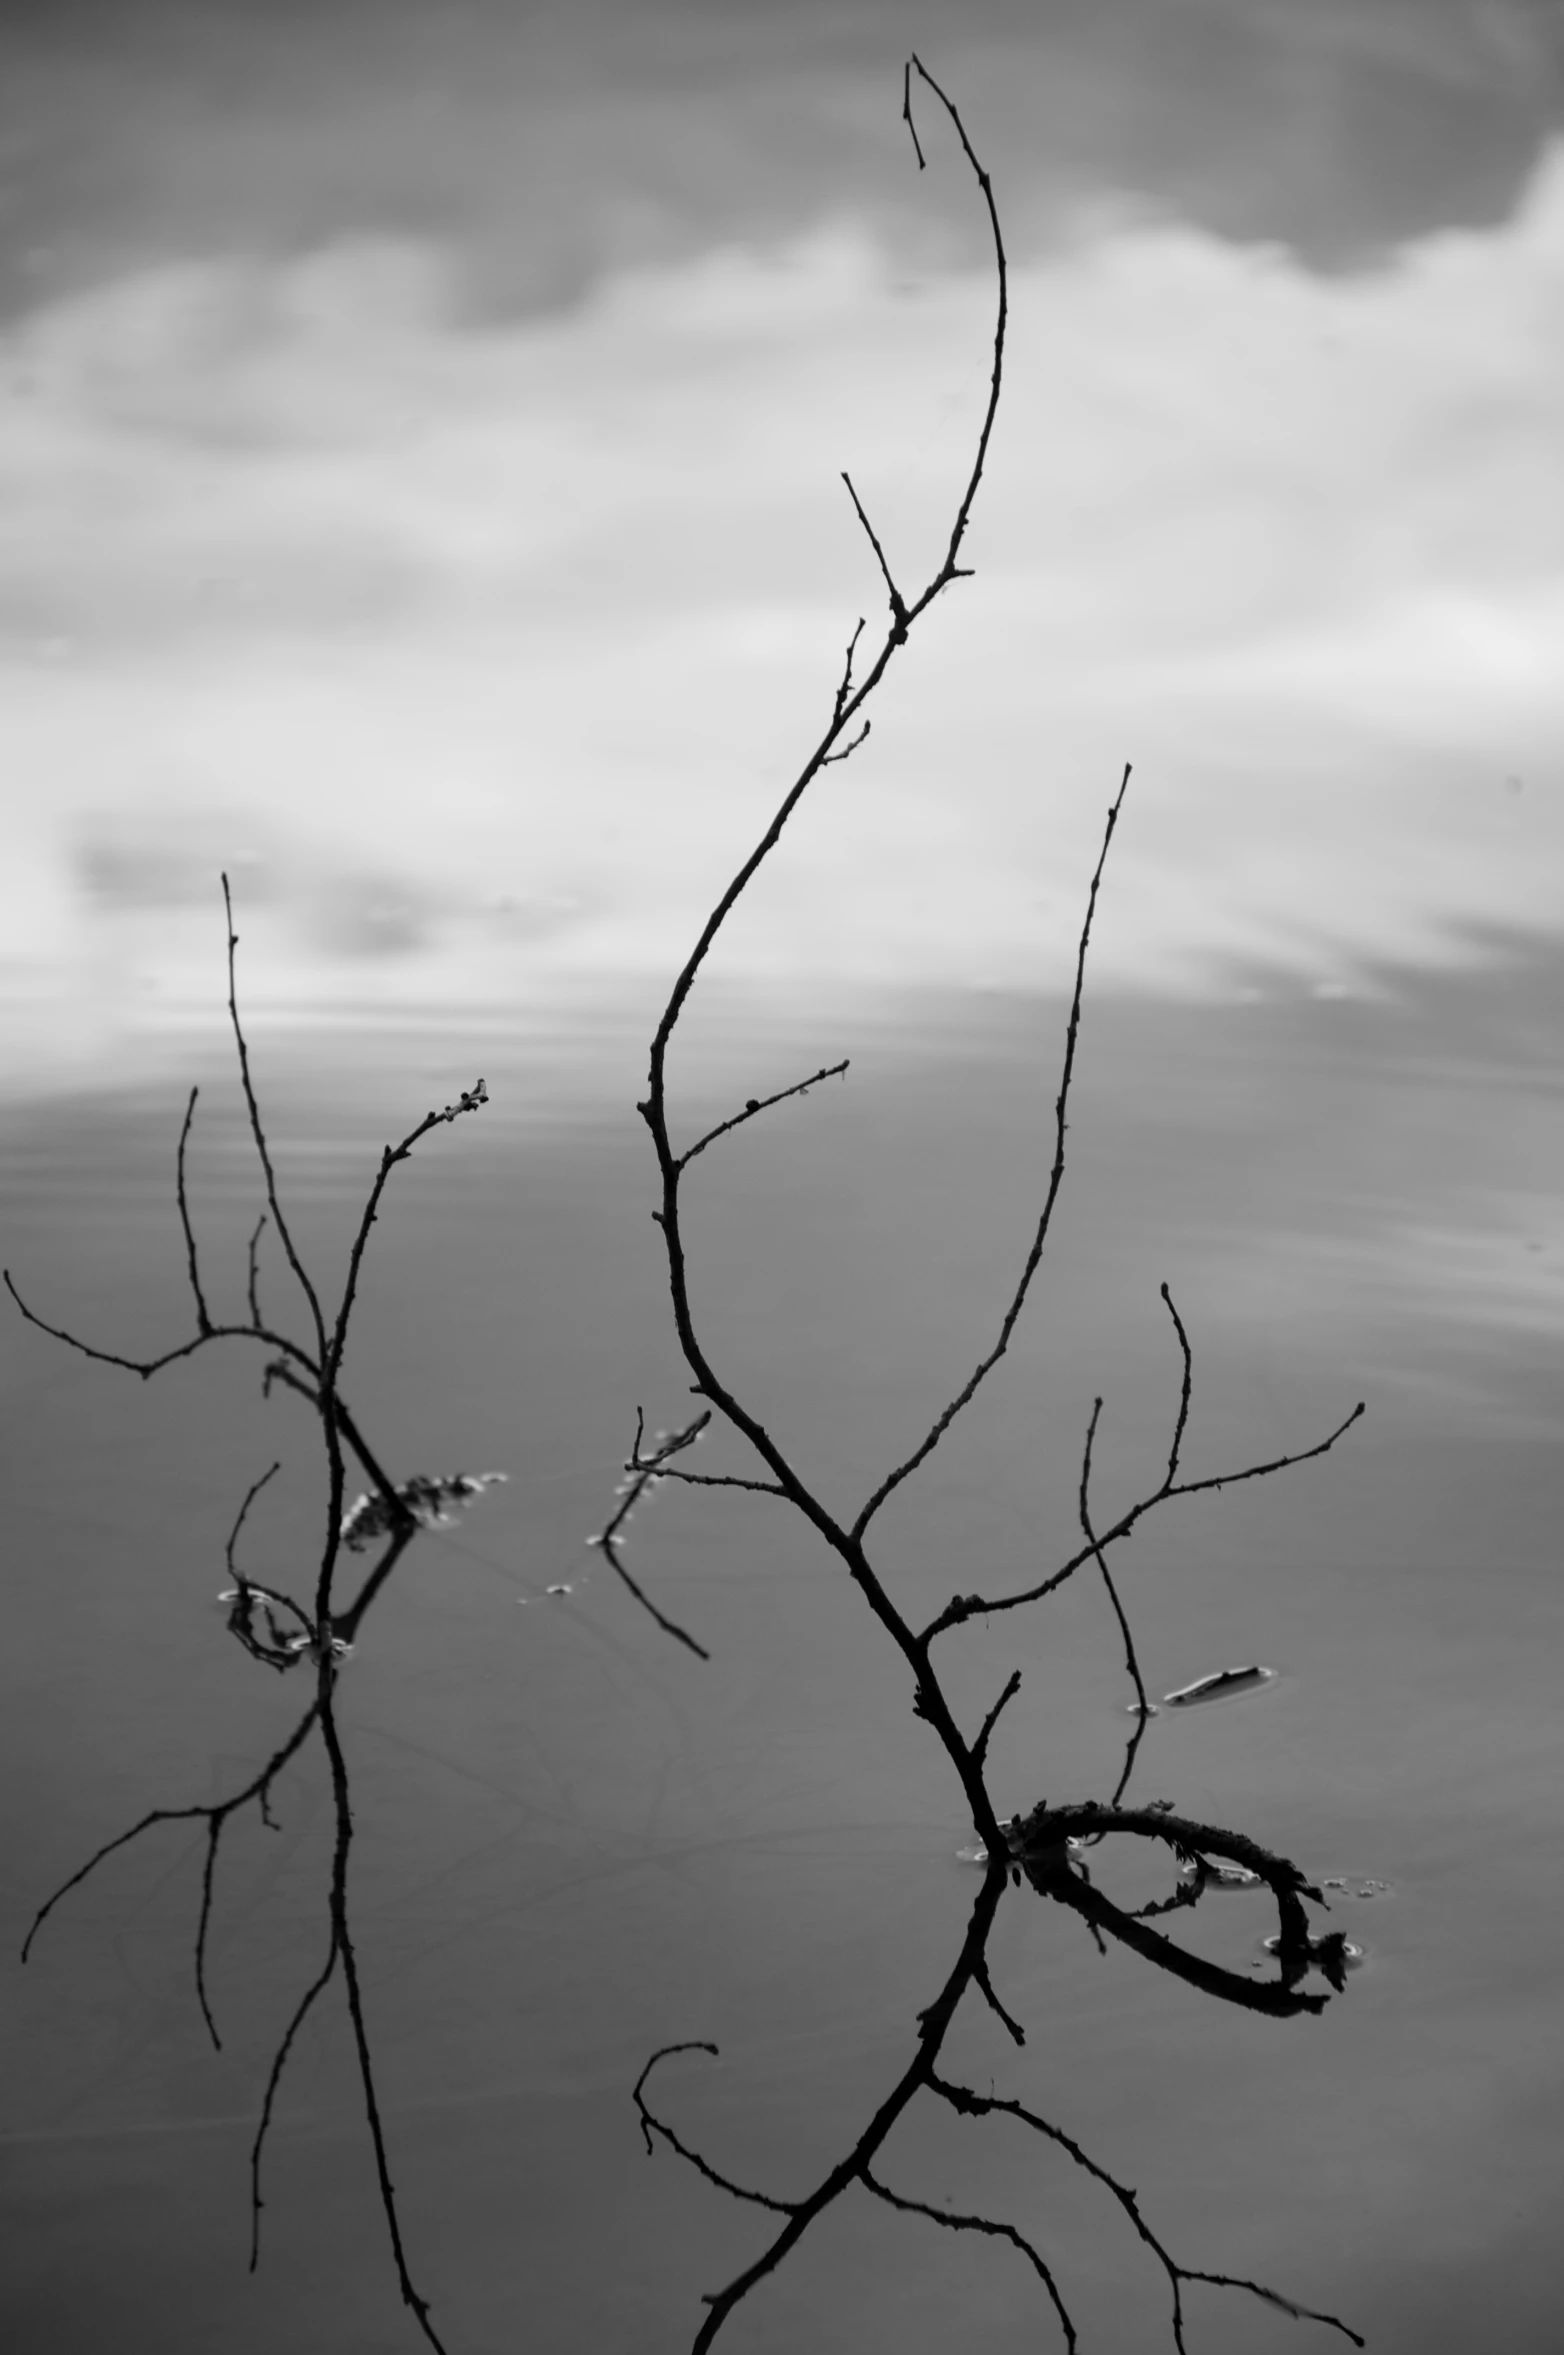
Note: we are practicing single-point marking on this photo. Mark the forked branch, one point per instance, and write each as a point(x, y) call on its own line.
point(271, 1625)
point(1047, 1850)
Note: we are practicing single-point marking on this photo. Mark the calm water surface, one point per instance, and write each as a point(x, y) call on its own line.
point(576, 1842)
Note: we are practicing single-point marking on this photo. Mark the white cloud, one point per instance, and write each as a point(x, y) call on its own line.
point(545, 613)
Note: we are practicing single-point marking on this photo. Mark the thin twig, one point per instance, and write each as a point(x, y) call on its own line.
point(977, 2105)
point(643, 1473)
point(980, 1746)
point(724, 1480)
point(147, 1367)
point(985, 1986)
point(1186, 1389)
point(469, 1101)
point(274, 2078)
point(215, 1818)
point(986, 1364)
point(681, 1635)
point(898, 602)
point(906, 113)
point(955, 2221)
point(849, 703)
point(933, 2026)
point(250, 1495)
point(203, 1320)
point(343, 1947)
point(253, 1293)
point(845, 686)
point(1092, 1540)
point(849, 748)
point(759, 1104)
point(971, 1606)
point(258, 1134)
point(651, 2124)
point(1137, 1734)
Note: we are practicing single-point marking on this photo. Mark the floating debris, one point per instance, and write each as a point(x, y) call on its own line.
point(433, 1503)
point(975, 1852)
point(1351, 1955)
point(1221, 1876)
point(1357, 1888)
point(1219, 1686)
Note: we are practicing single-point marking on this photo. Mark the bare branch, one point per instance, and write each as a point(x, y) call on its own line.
point(847, 707)
point(1258, 2289)
point(898, 604)
point(1039, 1843)
point(849, 700)
point(1137, 1734)
point(375, 1470)
point(1041, 1846)
point(468, 1101)
point(1304, 1455)
point(147, 1367)
point(253, 1293)
point(1046, 1826)
point(957, 2222)
point(346, 1623)
point(1186, 1389)
point(215, 1817)
point(342, 1946)
point(651, 2124)
point(758, 1104)
point(681, 1635)
point(985, 1986)
point(933, 2026)
point(845, 687)
point(951, 570)
point(1278, 1998)
point(1130, 1660)
point(725, 1480)
point(980, 1746)
point(906, 113)
point(279, 2062)
point(245, 1599)
point(203, 1321)
point(972, 1606)
point(985, 1366)
point(850, 747)
point(976, 2105)
point(643, 1473)
point(258, 1133)
point(273, 1627)
point(250, 1495)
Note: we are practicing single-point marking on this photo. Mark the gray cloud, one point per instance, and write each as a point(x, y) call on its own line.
point(155, 862)
point(547, 143)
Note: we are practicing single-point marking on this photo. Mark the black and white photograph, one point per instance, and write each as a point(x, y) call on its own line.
point(781, 1177)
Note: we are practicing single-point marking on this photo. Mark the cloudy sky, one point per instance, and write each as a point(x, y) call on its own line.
point(421, 425)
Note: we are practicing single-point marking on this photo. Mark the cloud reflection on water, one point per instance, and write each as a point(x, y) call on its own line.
point(489, 641)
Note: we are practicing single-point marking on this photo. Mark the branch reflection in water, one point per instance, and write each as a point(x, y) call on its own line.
point(1044, 1850)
